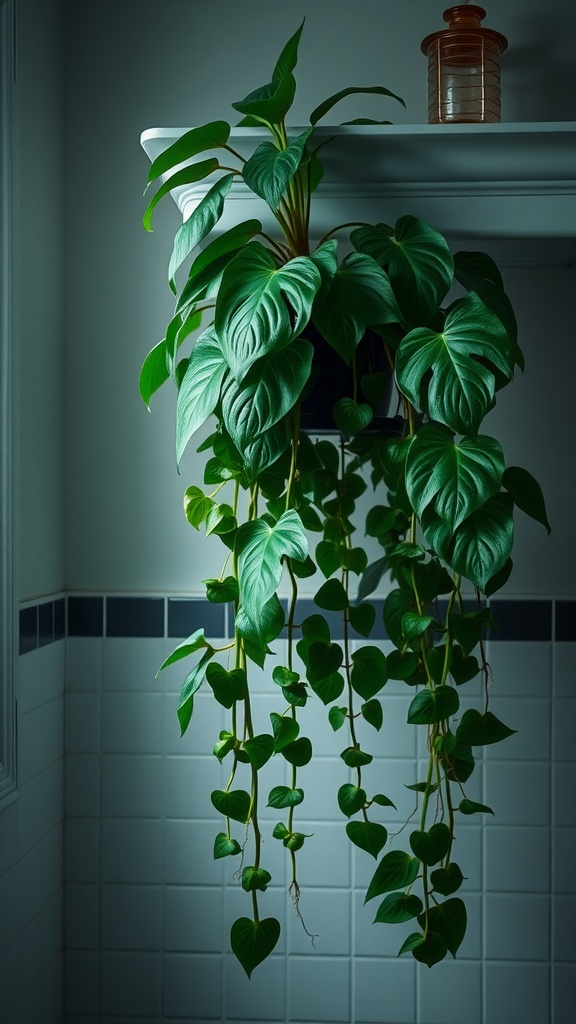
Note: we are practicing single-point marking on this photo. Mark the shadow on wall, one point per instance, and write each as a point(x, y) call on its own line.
point(546, 54)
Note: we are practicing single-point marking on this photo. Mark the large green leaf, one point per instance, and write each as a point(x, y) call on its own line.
point(526, 493)
point(478, 729)
point(200, 388)
point(197, 140)
point(398, 907)
point(478, 273)
point(457, 478)
point(368, 835)
point(267, 448)
point(269, 103)
point(482, 543)
point(463, 360)
point(261, 306)
point(358, 296)
point(261, 545)
point(270, 170)
point(433, 845)
point(235, 803)
point(252, 941)
point(431, 706)
point(269, 390)
point(369, 673)
point(185, 176)
point(322, 109)
point(204, 217)
point(207, 269)
point(448, 920)
point(418, 260)
point(289, 57)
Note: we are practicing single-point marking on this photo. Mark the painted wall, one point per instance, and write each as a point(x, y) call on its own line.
point(41, 311)
point(133, 65)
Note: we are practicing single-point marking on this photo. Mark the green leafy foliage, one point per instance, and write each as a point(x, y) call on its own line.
point(398, 907)
point(396, 870)
point(367, 835)
point(253, 941)
point(261, 545)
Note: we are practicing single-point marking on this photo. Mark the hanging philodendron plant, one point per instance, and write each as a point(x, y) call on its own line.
point(442, 511)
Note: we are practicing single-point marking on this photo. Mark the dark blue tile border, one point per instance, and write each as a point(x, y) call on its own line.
point(42, 624)
point(565, 626)
point(521, 620)
point(85, 616)
point(135, 616)
point(187, 614)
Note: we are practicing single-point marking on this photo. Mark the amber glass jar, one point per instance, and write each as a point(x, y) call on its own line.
point(464, 68)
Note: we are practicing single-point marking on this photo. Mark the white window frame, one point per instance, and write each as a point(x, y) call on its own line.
point(8, 607)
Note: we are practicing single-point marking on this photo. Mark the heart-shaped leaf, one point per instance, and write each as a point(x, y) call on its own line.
point(269, 170)
point(447, 880)
point(225, 847)
point(431, 950)
point(351, 799)
point(283, 796)
point(481, 545)
point(449, 920)
point(368, 835)
point(234, 804)
point(433, 845)
point(396, 870)
point(262, 306)
point(353, 757)
point(337, 717)
point(299, 752)
point(398, 907)
point(373, 713)
point(526, 493)
point(369, 673)
point(362, 618)
point(261, 545)
point(222, 591)
point(457, 478)
point(351, 417)
point(227, 687)
point(478, 729)
point(255, 878)
point(285, 730)
point(253, 941)
point(463, 359)
point(259, 749)
point(432, 706)
point(331, 596)
point(329, 689)
point(323, 660)
point(471, 807)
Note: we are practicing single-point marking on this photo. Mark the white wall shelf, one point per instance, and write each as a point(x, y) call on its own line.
point(513, 184)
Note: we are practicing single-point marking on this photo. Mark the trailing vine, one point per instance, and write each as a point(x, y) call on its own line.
point(442, 511)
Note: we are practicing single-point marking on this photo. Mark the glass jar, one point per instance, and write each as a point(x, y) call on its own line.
point(464, 68)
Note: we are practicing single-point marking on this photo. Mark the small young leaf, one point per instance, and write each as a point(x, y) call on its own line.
point(362, 618)
point(353, 757)
point(280, 831)
point(401, 665)
point(449, 920)
point(447, 880)
point(255, 878)
point(414, 625)
point(526, 493)
point(369, 673)
point(332, 596)
point(337, 717)
point(299, 752)
point(431, 950)
point(330, 688)
point(471, 807)
point(285, 730)
point(372, 712)
point(259, 749)
point(382, 801)
point(225, 847)
point(227, 687)
point(323, 660)
point(328, 557)
point(351, 417)
point(221, 591)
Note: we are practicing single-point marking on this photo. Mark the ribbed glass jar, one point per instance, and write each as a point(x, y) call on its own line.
point(464, 68)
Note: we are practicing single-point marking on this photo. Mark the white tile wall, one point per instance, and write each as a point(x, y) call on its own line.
point(31, 849)
point(148, 910)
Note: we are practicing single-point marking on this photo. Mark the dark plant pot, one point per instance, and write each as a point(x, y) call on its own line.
point(331, 379)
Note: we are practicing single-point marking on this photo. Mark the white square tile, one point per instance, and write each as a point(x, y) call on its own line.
point(187, 784)
point(517, 927)
point(564, 671)
point(193, 919)
point(84, 663)
point(517, 993)
point(520, 669)
point(81, 982)
point(131, 786)
point(564, 776)
point(82, 785)
point(384, 991)
point(131, 663)
point(82, 849)
point(518, 793)
point(132, 723)
point(530, 717)
point(131, 917)
point(82, 722)
point(192, 986)
point(81, 916)
point(319, 989)
point(565, 729)
point(275, 902)
point(260, 998)
point(563, 987)
point(40, 738)
point(189, 849)
point(131, 850)
point(327, 914)
point(564, 858)
point(517, 859)
point(325, 859)
point(447, 988)
point(130, 983)
point(564, 931)
point(41, 806)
